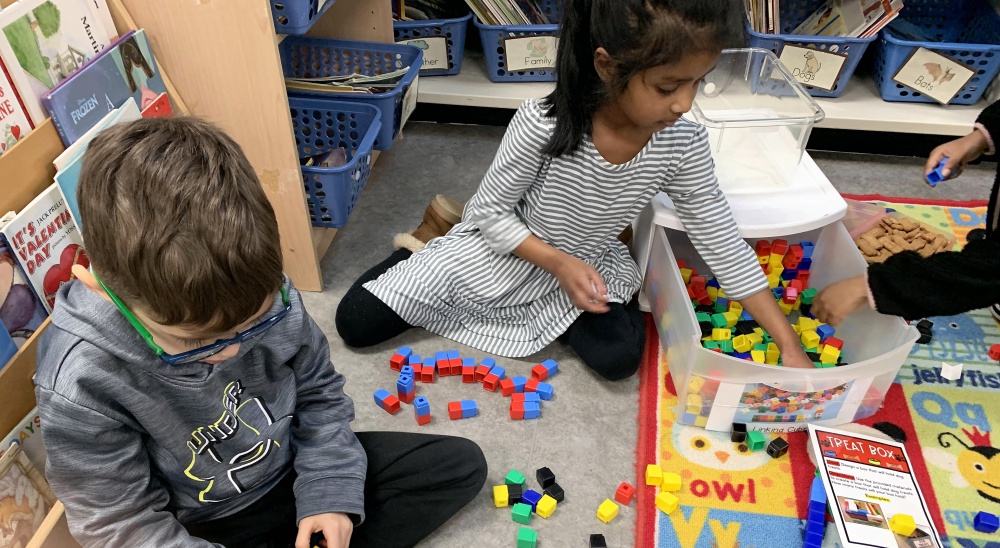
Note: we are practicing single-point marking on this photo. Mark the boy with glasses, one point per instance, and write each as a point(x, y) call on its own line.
point(188, 398)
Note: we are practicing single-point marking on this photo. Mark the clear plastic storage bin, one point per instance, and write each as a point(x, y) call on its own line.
point(758, 119)
point(715, 390)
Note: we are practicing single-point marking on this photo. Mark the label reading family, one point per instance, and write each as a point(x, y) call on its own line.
point(435, 50)
point(813, 67)
point(935, 75)
point(531, 52)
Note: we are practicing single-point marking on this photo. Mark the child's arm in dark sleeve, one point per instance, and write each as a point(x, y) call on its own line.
point(943, 284)
point(990, 119)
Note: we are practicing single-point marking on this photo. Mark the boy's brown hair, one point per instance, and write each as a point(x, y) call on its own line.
point(177, 224)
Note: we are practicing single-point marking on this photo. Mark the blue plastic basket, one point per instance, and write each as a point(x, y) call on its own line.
point(793, 13)
point(493, 37)
point(304, 57)
point(296, 16)
point(321, 126)
point(452, 30)
point(966, 30)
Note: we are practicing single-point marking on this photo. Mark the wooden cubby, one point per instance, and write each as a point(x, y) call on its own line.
point(220, 61)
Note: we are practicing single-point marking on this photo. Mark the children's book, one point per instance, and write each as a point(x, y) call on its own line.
point(28, 435)
point(46, 243)
point(44, 41)
point(21, 311)
point(125, 70)
point(25, 498)
point(70, 162)
point(14, 122)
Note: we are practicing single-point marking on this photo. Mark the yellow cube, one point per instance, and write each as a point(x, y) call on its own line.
point(772, 355)
point(500, 496)
point(701, 421)
point(722, 293)
point(773, 280)
point(784, 283)
point(759, 331)
point(755, 338)
point(666, 502)
point(713, 292)
point(731, 318)
point(546, 506)
point(798, 304)
point(671, 482)
point(654, 474)
point(736, 307)
point(686, 274)
point(810, 339)
point(785, 307)
point(721, 334)
point(758, 356)
point(607, 511)
point(807, 324)
point(796, 329)
point(695, 385)
point(694, 403)
point(777, 257)
point(902, 524)
point(777, 269)
point(742, 344)
point(829, 354)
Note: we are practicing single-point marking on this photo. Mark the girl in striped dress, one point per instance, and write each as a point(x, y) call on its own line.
point(535, 255)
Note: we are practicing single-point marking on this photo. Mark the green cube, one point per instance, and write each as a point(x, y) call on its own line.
point(813, 349)
point(514, 478)
point(726, 346)
point(808, 295)
point(703, 317)
point(526, 538)
point(822, 365)
point(760, 347)
point(521, 513)
point(719, 320)
point(768, 338)
point(711, 345)
point(756, 440)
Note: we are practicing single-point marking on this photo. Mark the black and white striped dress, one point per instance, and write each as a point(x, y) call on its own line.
point(468, 286)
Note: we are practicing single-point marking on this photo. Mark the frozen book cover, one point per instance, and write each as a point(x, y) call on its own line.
point(126, 69)
point(46, 243)
point(14, 122)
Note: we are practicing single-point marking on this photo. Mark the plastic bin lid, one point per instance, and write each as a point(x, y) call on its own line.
point(809, 203)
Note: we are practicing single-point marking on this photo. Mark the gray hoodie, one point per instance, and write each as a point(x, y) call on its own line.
point(136, 447)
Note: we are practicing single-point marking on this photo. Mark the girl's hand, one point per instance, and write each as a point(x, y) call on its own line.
point(840, 300)
point(793, 355)
point(336, 530)
point(583, 284)
point(959, 152)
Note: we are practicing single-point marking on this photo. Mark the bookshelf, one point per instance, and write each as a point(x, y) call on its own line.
point(220, 61)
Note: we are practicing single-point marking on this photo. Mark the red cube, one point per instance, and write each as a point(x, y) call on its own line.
point(699, 282)
point(797, 285)
point(625, 493)
point(391, 404)
point(690, 290)
point(779, 247)
point(469, 374)
point(423, 419)
point(427, 373)
point(834, 342)
point(454, 410)
point(763, 248)
point(539, 373)
point(417, 368)
point(491, 383)
point(481, 372)
point(407, 398)
point(397, 361)
point(995, 352)
point(506, 387)
point(531, 385)
point(790, 295)
point(803, 277)
point(517, 397)
point(517, 410)
point(681, 263)
point(455, 366)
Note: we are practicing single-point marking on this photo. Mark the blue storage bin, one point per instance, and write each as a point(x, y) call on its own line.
point(321, 126)
point(493, 37)
point(297, 16)
point(967, 30)
point(452, 30)
point(793, 13)
point(304, 57)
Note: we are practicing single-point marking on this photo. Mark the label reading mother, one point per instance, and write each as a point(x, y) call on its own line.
point(530, 52)
point(935, 75)
point(435, 50)
point(813, 67)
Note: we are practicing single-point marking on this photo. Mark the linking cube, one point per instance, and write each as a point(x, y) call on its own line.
point(531, 498)
point(400, 358)
point(454, 362)
point(501, 496)
point(671, 482)
point(492, 381)
point(755, 440)
point(408, 370)
point(546, 506)
point(625, 493)
point(422, 410)
point(810, 339)
point(387, 401)
point(777, 448)
point(779, 247)
point(985, 522)
point(506, 387)
point(666, 502)
point(556, 492)
point(835, 343)
point(532, 410)
point(544, 391)
point(462, 409)
point(526, 538)
point(406, 388)
point(816, 517)
point(829, 355)
point(428, 370)
point(545, 370)
point(738, 433)
point(598, 541)
point(902, 524)
point(514, 494)
point(521, 513)
point(441, 363)
point(468, 370)
point(519, 383)
point(525, 396)
point(484, 368)
point(654, 474)
point(544, 477)
point(607, 511)
point(825, 331)
point(514, 478)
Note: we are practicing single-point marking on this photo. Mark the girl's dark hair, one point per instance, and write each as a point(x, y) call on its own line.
point(638, 35)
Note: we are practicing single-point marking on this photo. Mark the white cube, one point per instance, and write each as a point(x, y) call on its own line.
point(951, 372)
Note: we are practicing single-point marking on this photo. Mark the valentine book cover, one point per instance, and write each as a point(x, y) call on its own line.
point(21, 312)
point(44, 41)
point(126, 69)
point(14, 123)
point(46, 243)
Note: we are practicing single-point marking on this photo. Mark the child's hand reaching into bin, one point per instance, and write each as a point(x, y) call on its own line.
point(959, 152)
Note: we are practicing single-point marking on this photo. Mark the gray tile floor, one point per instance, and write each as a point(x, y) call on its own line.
point(587, 434)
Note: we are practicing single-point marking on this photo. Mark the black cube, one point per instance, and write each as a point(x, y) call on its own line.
point(739, 432)
point(545, 477)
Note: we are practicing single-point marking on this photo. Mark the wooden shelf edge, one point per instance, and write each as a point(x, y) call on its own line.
point(322, 239)
point(53, 532)
point(15, 378)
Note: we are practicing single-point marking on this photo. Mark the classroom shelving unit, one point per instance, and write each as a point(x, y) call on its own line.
point(220, 61)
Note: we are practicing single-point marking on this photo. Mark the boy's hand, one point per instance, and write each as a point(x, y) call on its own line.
point(959, 152)
point(336, 530)
point(583, 284)
point(840, 300)
point(793, 355)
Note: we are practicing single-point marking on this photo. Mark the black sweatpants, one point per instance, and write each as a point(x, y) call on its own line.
point(415, 483)
point(611, 344)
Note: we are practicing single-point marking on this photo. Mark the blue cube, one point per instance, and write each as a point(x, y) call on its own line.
point(532, 396)
point(488, 362)
point(469, 409)
point(440, 356)
point(519, 382)
point(405, 384)
point(742, 355)
point(454, 355)
point(414, 358)
point(813, 540)
point(430, 362)
point(404, 351)
point(406, 370)
point(805, 265)
point(986, 522)
point(817, 493)
point(807, 249)
point(712, 283)
point(380, 395)
point(825, 332)
point(789, 274)
point(532, 410)
point(746, 317)
point(531, 497)
point(688, 418)
point(722, 304)
point(552, 366)
point(498, 371)
point(468, 362)
point(421, 406)
point(778, 292)
point(544, 391)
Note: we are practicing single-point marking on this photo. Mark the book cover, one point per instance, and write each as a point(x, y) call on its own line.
point(46, 243)
point(126, 69)
point(44, 41)
point(21, 311)
point(28, 435)
point(14, 122)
